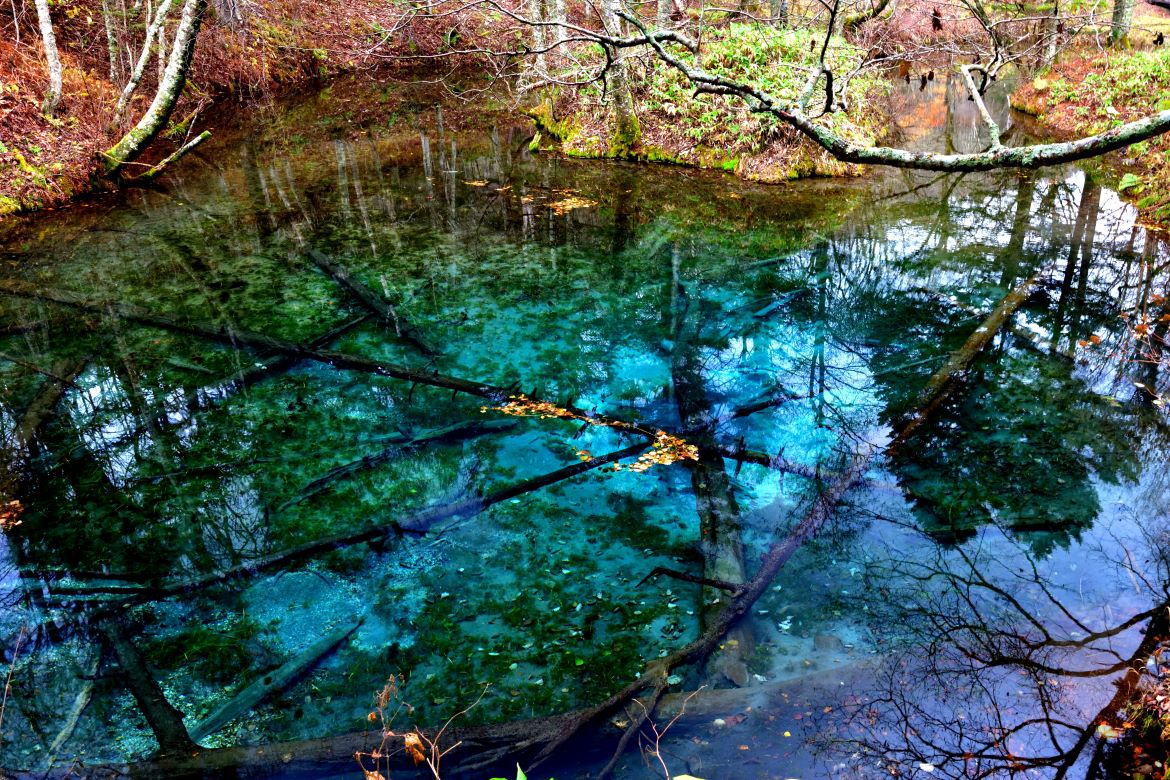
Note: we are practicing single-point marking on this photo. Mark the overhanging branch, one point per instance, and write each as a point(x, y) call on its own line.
point(1030, 156)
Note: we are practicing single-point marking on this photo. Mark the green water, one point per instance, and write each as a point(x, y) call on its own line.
point(962, 589)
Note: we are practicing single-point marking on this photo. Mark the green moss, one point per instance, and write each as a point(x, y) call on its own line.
point(713, 132)
point(547, 123)
point(624, 139)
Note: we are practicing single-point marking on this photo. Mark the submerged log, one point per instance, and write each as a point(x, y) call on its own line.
point(165, 721)
point(452, 433)
point(418, 523)
point(80, 703)
point(63, 373)
point(271, 684)
point(237, 338)
point(943, 384)
point(372, 301)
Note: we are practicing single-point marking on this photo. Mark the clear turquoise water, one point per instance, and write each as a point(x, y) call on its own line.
point(970, 579)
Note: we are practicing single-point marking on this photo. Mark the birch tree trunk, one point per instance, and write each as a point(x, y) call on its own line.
point(152, 31)
point(111, 41)
point(1052, 33)
point(561, 17)
point(536, 14)
point(53, 96)
point(174, 79)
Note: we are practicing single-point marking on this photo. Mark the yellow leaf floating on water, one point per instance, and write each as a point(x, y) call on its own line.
point(565, 205)
point(476, 183)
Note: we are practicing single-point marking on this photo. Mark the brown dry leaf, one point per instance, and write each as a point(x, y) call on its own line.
point(414, 746)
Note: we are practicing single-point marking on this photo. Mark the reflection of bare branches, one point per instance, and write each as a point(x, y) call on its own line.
point(995, 662)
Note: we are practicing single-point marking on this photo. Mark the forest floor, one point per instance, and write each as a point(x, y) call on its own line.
point(282, 45)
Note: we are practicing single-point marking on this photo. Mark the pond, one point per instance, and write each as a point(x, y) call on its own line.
point(350, 401)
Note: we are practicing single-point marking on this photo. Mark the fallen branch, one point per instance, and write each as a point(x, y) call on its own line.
point(154, 171)
point(730, 587)
point(79, 705)
point(774, 462)
point(270, 684)
point(372, 301)
point(418, 523)
point(944, 382)
point(165, 721)
point(452, 433)
point(241, 338)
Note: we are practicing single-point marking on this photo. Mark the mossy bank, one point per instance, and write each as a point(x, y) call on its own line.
point(675, 125)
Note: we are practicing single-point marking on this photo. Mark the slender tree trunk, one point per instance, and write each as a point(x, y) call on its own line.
point(1051, 32)
point(140, 66)
point(53, 96)
point(111, 41)
point(779, 12)
point(536, 15)
point(664, 9)
point(560, 16)
point(1122, 19)
point(175, 78)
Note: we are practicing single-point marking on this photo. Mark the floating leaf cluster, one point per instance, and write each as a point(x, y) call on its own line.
point(523, 406)
point(667, 448)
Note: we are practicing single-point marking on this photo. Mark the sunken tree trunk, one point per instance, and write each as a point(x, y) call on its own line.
point(135, 142)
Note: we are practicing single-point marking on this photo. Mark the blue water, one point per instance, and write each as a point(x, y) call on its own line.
point(966, 609)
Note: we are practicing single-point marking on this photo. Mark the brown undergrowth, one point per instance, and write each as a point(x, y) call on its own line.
point(1089, 90)
point(267, 49)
